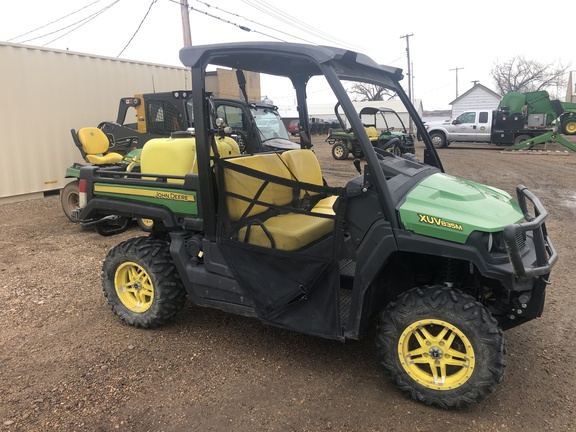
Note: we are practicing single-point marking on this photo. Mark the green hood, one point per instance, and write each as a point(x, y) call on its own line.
point(450, 208)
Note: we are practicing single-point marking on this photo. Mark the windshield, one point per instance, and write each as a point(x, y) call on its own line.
point(269, 123)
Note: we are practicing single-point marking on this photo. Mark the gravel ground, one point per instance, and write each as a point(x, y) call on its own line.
point(67, 363)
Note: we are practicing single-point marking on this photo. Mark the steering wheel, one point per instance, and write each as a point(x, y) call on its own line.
point(242, 140)
point(382, 154)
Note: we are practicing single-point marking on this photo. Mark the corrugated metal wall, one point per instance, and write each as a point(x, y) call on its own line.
point(45, 93)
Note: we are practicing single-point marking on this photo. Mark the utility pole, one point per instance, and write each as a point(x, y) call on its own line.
point(456, 69)
point(407, 37)
point(185, 22)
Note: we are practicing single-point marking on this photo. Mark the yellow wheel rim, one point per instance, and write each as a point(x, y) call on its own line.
point(436, 354)
point(571, 127)
point(134, 287)
point(147, 222)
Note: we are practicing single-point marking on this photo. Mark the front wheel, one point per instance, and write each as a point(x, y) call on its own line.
point(70, 198)
point(438, 139)
point(569, 126)
point(340, 151)
point(141, 283)
point(441, 347)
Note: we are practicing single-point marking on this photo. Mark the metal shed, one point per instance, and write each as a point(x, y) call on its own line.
point(46, 93)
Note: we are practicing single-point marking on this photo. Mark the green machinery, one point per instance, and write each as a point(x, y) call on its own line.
point(532, 118)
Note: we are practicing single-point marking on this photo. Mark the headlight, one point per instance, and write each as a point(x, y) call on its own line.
point(493, 242)
point(488, 240)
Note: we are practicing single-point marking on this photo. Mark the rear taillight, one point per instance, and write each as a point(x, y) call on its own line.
point(82, 193)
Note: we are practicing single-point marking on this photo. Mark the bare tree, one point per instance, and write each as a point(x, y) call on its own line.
point(522, 75)
point(370, 92)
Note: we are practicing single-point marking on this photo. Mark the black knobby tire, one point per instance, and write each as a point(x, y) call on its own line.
point(70, 198)
point(521, 138)
point(438, 139)
point(438, 330)
point(141, 282)
point(340, 151)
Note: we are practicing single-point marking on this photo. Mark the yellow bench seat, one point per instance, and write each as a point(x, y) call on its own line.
point(290, 231)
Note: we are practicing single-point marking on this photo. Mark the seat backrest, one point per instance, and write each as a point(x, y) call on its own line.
point(247, 186)
point(93, 140)
point(303, 166)
point(372, 132)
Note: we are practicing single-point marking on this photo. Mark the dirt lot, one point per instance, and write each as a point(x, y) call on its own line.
point(68, 363)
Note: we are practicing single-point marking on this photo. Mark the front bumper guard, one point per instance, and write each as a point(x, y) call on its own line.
point(546, 255)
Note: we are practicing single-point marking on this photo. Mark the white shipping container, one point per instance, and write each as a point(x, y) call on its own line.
point(46, 93)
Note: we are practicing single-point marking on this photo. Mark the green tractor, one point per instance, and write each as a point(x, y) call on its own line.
point(384, 127)
point(439, 265)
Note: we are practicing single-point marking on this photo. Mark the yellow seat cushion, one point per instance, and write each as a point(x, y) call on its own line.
point(108, 158)
point(303, 164)
point(325, 205)
point(290, 231)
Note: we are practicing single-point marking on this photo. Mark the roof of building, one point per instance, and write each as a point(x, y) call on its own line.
point(475, 87)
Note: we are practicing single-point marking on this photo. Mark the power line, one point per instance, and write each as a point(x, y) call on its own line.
point(138, 29)
point(252, 21)
point(86, 21)
point(80, 22)
point(292, 21)
point(241, 27)
point(53, 22)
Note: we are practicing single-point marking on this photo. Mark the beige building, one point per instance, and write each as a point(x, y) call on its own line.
point(48, 92)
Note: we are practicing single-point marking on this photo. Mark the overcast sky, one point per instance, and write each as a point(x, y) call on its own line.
point(471, 36)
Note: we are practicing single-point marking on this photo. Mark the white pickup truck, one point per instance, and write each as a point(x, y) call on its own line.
point(480, 126)
point(470, 126)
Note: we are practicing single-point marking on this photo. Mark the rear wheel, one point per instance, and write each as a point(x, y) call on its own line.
point(141, 283)
point(340, 151)
point(70, 198)
point(441, 347)
point(569, 126)
point(521, 138)
point(145, 225)
point(438, 139)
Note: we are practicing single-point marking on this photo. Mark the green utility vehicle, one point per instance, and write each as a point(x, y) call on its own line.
point(439, 264)
point(380, 125)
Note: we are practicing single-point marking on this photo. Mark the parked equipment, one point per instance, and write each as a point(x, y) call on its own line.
point(378, 123)
point(527, 119)
point(159, 115)
point(442, 265)
point(521, 120)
